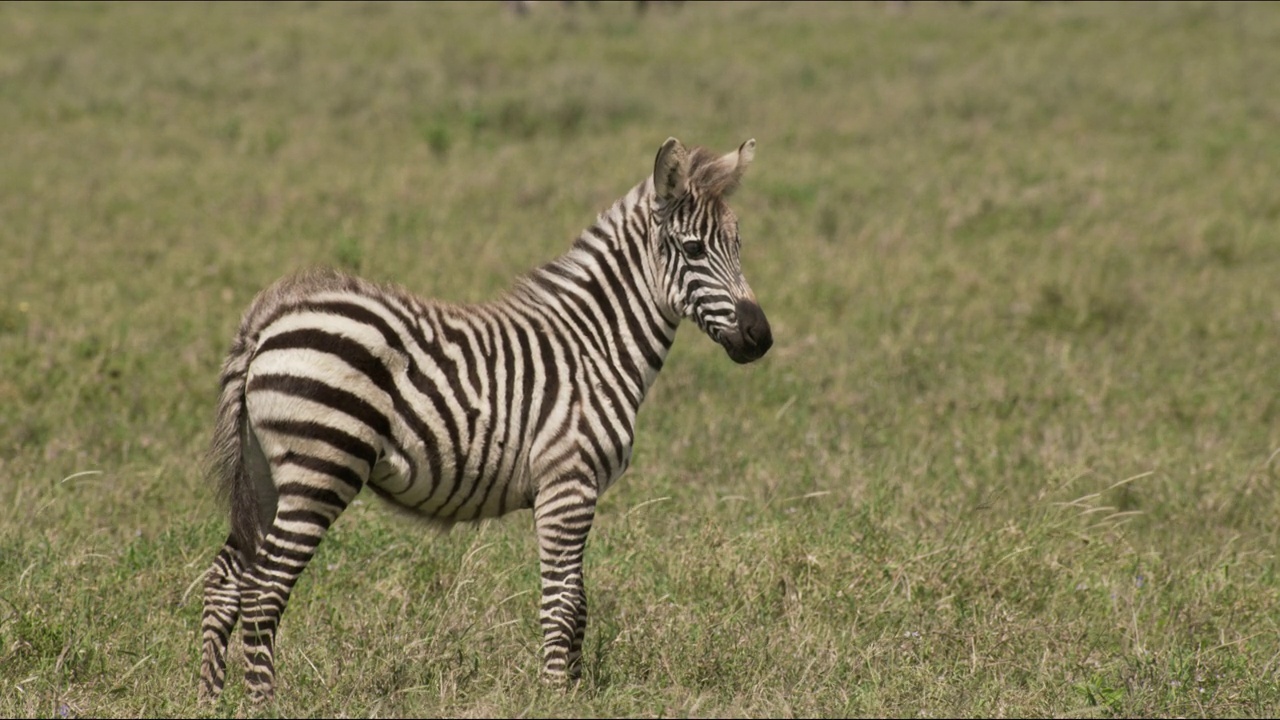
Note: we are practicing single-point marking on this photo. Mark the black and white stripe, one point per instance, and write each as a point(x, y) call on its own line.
point(460, 412)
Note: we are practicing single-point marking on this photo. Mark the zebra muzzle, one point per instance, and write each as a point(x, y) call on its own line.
point(753, 338)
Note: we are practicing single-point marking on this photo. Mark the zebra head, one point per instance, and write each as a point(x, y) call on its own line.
point(698, 245)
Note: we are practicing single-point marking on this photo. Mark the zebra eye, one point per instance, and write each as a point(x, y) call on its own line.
point(694, 249)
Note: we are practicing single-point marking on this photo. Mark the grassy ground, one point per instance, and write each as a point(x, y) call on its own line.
point(1014, 452)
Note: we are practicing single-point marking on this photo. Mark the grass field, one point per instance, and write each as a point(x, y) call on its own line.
point(1015, 450)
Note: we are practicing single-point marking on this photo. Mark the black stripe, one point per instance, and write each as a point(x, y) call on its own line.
point(331, 436)
point(530, 373)
point(602, 414)
point(360, 314)
point(280, 535)
point(305, 516)
point(497, 419)
point(349, 351)
point(333, 398)
point(324, 467)
point(551, 380)
point(513, 425)
point(429, 441)
point(460, 340)
point(277, 552)
point(320, 495)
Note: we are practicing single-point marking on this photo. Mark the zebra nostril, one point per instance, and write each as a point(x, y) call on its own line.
point(762, 336)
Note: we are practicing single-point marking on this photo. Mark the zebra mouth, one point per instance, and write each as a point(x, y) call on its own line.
point(743, 356)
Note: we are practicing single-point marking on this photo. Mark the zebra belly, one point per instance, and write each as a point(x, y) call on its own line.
point(465, 492)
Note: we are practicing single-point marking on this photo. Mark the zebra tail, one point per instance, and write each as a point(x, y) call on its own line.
point(227, 454)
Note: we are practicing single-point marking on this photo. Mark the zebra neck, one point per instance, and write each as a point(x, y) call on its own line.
point(605, 289)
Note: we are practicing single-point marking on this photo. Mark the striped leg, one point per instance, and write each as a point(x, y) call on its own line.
point(308, 505)
point(563, 513)
point(221, 609)
point(575, 646)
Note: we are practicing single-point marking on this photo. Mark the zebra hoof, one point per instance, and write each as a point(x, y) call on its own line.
point(258, 696)
point(559, 680)
point(260, 693)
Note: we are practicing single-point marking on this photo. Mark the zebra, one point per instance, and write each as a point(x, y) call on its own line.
point(462, 412)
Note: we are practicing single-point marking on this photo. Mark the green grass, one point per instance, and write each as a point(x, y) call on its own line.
point(1013, 453)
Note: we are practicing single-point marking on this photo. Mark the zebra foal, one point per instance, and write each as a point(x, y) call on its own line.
point(461, 412)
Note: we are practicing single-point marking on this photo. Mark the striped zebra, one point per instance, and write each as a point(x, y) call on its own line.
point(462, 412)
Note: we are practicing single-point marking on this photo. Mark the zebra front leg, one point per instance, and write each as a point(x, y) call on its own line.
point(563, 512)
point(575, 646)
point(221, 610)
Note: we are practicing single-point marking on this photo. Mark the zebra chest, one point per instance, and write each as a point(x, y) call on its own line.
point(606, 432)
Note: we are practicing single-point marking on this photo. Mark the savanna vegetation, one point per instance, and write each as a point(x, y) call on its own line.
point(1015, 450)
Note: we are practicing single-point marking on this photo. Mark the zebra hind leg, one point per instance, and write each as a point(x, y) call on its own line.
point(221, 610)
point(308, 505)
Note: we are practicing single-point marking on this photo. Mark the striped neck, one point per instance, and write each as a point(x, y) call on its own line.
point(607, 285)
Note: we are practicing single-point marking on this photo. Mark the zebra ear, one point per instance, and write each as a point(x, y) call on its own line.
point(670, 170)
point(746, 153)
point(736, 164)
